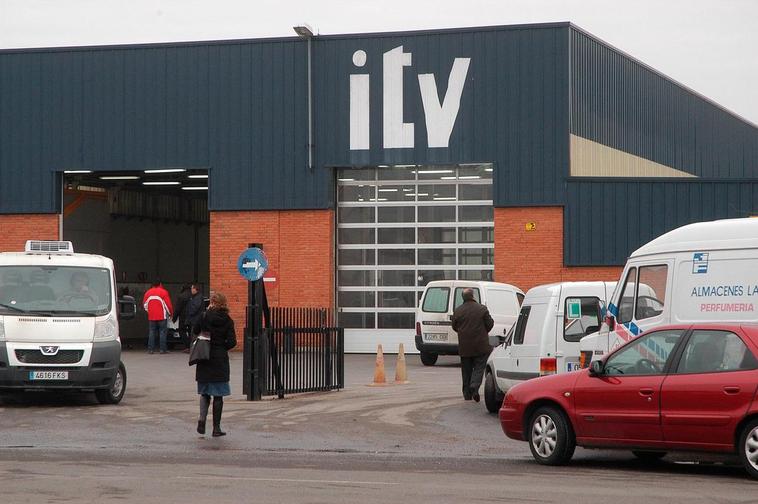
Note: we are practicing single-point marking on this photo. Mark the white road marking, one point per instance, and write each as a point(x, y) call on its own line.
point(287, 480)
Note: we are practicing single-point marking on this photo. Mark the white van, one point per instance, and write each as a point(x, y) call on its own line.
point(59, 321)
point(434, 331)
point(703, 272)
point(545, 339)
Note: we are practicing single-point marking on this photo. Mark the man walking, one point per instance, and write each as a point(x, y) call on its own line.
point(157, 304)
point(472, 322)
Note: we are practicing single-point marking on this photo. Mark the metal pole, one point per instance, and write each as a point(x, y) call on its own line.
point(310, 111)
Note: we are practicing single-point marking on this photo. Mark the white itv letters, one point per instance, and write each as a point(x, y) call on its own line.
point(440, 117)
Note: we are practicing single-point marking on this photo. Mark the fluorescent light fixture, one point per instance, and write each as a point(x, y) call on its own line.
point(387, 190)
point(77, 171)
point(448, 178)
point(445, 198)
point(383, 166)
point(346, 179)
point(433, 172)
point(488, 169)
point(469, 177)
point(195, 188)
point(167, 170)
point(163, 183)
point(415, 194)
point(198, 176)
point(470, 164)
point(119, 177)
point(405, 166)
point(382, 199)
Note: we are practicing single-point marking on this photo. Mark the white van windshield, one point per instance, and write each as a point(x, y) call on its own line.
point(55, 290)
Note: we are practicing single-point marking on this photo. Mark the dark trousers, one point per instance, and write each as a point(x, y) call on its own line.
point(472, 371)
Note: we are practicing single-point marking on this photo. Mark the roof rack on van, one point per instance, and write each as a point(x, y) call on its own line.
point(48, 247)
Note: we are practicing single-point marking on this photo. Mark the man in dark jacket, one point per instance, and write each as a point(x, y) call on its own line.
point(180, 314)
point(472, 322)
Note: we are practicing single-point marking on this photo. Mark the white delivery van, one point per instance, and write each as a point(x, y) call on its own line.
point(59, 321)
point(702, 272)
point(434, 330)
point(545, 339)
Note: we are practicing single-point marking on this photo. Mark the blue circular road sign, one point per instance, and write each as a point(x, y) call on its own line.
point(252, 264)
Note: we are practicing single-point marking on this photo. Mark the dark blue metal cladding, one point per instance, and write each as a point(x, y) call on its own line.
point(239, 109)
point(605, 221)
point(513, 111)
point(621, 103)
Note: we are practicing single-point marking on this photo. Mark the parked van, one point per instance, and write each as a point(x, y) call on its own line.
point(434, 331)
point(703, 272)
point(59, 321)
point(545, 339)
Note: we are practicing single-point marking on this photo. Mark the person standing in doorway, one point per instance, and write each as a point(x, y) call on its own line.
point(157, 304)
point(180, 314)
point(472, 322)
point(212, 376)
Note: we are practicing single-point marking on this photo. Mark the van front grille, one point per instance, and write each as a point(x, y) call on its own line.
point(37, 357)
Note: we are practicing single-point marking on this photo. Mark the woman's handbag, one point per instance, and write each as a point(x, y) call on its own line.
point(200, 350)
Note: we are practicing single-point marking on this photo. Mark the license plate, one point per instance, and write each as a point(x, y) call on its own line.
point(435, 337)
point(48, 375)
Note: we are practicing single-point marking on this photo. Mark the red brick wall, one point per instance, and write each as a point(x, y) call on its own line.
point(528, 258)
point(299, 245)
point(15, 229)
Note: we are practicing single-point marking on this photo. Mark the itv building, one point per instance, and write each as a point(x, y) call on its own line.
point(367, 165)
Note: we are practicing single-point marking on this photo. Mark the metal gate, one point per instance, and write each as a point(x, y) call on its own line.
point(302, 351)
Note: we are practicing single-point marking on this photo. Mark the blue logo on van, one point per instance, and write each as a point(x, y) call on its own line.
point(700, 262)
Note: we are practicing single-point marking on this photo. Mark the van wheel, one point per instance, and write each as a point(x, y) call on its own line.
point(551, 438)
point(648, 456)
point(493, 398)
point(114, 394)
point(428, 359)
point(748, 448)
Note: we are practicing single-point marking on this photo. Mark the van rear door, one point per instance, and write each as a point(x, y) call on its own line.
point(504, 308)
point(436, 327)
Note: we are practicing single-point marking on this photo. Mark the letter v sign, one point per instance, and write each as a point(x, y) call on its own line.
point(440, 119)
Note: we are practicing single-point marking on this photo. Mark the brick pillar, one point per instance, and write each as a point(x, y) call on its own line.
point(299, 245)
point(15, 229)
point(528, 258)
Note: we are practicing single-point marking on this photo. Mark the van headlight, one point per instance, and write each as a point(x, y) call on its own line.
point(106, 329)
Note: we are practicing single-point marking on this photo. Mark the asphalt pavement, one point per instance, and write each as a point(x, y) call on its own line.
point(418, 442)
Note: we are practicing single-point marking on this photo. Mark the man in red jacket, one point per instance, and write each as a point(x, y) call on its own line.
point(157, 304)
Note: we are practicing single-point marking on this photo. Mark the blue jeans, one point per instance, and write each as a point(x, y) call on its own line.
point(156, 326)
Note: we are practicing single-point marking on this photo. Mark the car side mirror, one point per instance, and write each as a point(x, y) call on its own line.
point(596, 368)
point(591, 329)
point(127, 307)
point(610, 321)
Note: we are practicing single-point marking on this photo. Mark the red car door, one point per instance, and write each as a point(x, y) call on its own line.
point(622, 406)
point(709, 392)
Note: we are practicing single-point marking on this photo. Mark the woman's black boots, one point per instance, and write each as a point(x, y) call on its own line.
point(201, 426)
point(218, 407)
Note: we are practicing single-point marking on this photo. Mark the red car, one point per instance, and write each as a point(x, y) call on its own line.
point(679, 387)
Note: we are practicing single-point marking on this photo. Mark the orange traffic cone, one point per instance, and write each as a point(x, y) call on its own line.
point(401, 373)
point(379, 377)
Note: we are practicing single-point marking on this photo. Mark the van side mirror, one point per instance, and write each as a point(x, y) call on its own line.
point(596, 368)
point(610, 321)
point(127, 307)
point(591, 329)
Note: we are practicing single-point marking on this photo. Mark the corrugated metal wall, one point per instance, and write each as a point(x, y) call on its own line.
point(240, 109)
point(236, 108)
point(606, 221)
point(619, 102)
point(513, 112)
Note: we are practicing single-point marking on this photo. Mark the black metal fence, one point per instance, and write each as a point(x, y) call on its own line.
point(305, 350)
